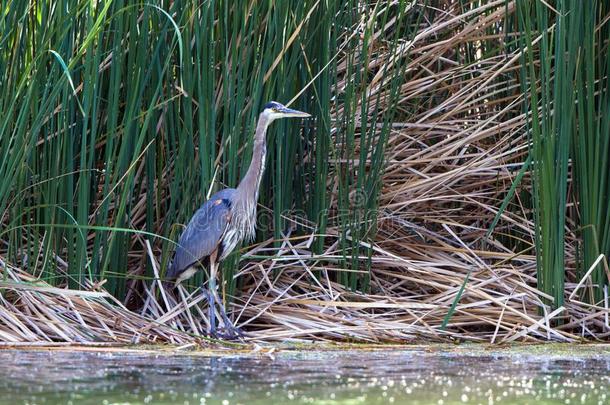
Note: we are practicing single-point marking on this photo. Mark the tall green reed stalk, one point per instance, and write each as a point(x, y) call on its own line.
point(566, 66)
point(116, 118)
point(591, 143)
point(361, 135)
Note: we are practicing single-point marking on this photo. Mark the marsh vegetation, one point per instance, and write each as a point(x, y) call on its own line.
point(452, 186)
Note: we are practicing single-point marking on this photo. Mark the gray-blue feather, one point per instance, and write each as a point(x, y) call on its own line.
point(204, 232)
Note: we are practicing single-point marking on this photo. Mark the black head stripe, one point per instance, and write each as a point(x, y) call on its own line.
point(272, 104)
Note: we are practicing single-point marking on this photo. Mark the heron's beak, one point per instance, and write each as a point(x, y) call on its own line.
point(288, 112)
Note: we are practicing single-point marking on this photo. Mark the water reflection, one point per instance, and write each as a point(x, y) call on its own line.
point(400, 377)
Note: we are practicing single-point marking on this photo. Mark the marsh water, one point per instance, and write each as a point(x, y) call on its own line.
point(437, 375)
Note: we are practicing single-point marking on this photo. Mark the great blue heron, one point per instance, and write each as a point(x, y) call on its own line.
point(228, 217)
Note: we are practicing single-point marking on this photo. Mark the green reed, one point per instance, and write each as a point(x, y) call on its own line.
point(566, 66)
point(116, 118)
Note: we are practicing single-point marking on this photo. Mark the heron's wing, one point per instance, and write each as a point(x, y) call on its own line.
point(203, 233)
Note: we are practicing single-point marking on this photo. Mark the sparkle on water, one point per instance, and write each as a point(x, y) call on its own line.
point(415, 376)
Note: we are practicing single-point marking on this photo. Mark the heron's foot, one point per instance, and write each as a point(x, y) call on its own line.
point(226, 330)
point(230, 332)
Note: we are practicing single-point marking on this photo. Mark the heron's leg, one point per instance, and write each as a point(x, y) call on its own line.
point(229, 331)
point(212, 295)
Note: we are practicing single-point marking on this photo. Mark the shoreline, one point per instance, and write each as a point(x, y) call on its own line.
point(551, 349)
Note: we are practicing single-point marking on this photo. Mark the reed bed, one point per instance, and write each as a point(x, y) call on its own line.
point(33, 311)
point(414, 208)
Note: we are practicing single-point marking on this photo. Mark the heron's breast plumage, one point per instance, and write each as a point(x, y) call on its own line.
point(242, 226)
point(229, 242)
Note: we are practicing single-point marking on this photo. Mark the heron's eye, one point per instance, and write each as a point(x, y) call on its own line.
point(275, 109)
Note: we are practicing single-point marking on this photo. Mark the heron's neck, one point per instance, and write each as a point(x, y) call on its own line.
point(249, 184)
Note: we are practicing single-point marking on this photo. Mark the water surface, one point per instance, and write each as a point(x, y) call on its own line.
point(414, 376)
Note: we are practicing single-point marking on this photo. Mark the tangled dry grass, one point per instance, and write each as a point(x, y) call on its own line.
point(33, 311)
point(436, 273)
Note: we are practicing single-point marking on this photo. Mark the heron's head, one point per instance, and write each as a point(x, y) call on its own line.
point(274, 110)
